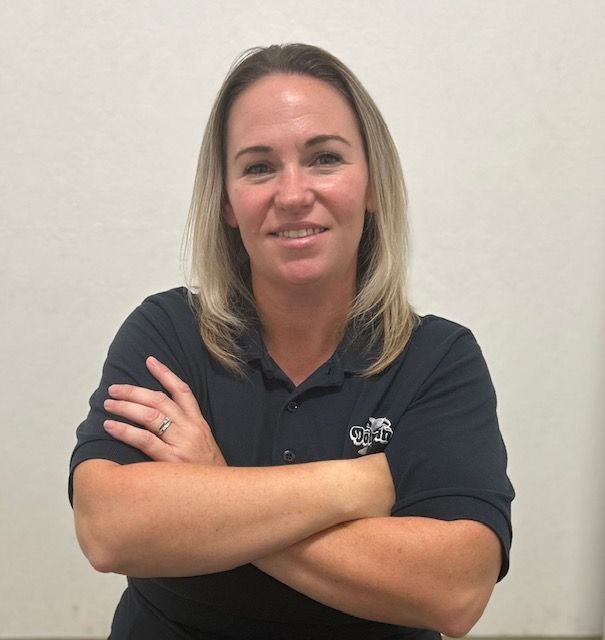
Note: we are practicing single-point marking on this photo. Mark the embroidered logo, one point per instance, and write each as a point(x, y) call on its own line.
point(374, 436)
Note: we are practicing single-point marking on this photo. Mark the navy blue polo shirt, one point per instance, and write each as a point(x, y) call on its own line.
point(433, 413)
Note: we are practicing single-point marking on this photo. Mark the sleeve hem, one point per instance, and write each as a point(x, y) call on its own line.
point(113, 450)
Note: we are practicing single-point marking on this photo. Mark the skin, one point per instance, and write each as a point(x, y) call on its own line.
point(180, 518)
point(295, 161)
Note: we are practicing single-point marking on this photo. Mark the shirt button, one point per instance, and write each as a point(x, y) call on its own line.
point(288, 456)
point(292, 406)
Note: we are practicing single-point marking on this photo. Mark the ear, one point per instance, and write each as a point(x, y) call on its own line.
point(228, 215)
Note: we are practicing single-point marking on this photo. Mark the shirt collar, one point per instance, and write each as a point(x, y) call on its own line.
point(352, 355)
point(355, 351)
point(251, 342)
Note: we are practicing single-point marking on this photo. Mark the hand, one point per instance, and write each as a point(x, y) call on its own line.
point(187, 438)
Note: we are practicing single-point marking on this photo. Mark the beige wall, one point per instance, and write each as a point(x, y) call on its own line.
point(497, 108)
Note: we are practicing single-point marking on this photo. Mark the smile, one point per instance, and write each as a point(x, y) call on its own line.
point(299, 233)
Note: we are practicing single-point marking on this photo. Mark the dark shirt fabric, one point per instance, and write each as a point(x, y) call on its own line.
point(433, 413)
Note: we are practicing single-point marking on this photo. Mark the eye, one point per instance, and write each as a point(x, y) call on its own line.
point(257, 169)
point(327, 158)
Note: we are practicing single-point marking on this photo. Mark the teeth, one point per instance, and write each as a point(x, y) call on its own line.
point(299, 233)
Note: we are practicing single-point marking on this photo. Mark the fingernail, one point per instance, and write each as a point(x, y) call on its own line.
point(108, 426)
point(152, 360)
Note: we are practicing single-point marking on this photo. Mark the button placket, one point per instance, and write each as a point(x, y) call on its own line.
point(290, 432)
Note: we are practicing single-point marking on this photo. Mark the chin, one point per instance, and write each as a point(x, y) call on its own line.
point(300, 279)
point(307, 274)
point(310, 277)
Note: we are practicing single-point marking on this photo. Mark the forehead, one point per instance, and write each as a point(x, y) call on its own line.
point(289, 104)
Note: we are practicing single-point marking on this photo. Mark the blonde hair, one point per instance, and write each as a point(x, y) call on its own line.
point(219, 266)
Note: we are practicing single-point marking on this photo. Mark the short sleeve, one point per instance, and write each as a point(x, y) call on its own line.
point(149, 330)
point(447, 456)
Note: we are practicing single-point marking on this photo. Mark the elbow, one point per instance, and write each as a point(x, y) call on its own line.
point(96, 548)
point(452, 612)
point(96, 518)
point(457, 628)
point(462, 612)
point(101, 561)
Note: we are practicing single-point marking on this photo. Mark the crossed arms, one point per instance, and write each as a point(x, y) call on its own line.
point(322, 528)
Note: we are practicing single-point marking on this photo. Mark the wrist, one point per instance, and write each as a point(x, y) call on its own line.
point(367, 486)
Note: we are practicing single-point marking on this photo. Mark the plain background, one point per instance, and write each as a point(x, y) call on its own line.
point(497, 110)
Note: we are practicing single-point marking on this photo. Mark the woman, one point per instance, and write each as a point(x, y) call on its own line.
point(288, 451)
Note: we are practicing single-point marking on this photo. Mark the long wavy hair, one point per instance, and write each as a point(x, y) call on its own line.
point(219, 278)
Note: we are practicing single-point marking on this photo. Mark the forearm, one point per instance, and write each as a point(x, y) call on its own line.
point(167, 519)
point(415, 572)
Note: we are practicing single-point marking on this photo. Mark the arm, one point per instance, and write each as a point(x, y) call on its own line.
point(410, 571)
point(180, 519)
point(434, 565)
point(416, 572)
point(190, 514)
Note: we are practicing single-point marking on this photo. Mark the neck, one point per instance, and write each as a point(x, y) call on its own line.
point(302, 325)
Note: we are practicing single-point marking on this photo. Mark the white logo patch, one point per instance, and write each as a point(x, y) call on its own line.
point(377, 431)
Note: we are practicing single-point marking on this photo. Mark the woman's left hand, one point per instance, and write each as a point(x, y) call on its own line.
point(174, 429)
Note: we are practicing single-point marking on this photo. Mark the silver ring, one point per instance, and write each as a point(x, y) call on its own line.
point(166, 422)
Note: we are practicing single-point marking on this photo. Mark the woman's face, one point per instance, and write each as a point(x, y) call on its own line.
point(297, 182)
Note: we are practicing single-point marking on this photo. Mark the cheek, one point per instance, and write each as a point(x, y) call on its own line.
point(350, 199)
point(246, 206)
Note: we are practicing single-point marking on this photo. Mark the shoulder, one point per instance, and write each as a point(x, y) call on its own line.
point(434, 330)
point(169, 312)
point(164, 322)
point(434, 338)
point(175, 302)
point(440, 350)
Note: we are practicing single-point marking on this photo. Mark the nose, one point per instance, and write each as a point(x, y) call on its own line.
point(293, 190)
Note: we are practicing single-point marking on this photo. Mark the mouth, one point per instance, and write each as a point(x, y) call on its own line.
point(299, 233)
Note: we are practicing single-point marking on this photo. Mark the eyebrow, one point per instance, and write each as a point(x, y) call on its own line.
point(325, 138)
point(311, 142)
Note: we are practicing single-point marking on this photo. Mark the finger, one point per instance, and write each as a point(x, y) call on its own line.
point(156, 400)
point(146, 417)
point(180, 391)
point(140, 439)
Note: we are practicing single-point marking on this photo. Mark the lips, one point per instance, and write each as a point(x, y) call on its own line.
point(299, 233)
